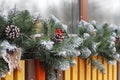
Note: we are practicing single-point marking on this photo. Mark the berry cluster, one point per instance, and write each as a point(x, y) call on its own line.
point(12, 32)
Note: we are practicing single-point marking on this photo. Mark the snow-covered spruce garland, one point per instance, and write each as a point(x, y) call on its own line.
point(55, 48)
point(99, 40)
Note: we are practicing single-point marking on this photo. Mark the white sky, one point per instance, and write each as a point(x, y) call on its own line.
point(107, 6)
point(42, 5)
point(34, 6)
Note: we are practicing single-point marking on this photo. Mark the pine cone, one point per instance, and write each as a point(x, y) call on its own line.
point(58, 38)
point(12, 32)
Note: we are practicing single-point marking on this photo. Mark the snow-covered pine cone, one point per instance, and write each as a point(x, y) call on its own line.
point(12, 32)
point(58, 38)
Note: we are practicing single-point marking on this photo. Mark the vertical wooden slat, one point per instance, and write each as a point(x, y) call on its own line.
point(74, 71)
point(118, 71)
point(110, 72)
point(9, 76)
point(20, 74)
point(94, 71)
point(105, 76)
point(40, 73)
point(114, 72)
point(30, 69)
point(88, 70)
point(81, 69)
point(67, 75)
point(59, 75)
point(15, 74)
point(99, 77)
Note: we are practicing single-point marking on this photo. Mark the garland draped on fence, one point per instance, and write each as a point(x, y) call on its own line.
point(52, 44)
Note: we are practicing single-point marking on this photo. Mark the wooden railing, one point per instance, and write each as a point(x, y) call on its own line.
point(84, 71)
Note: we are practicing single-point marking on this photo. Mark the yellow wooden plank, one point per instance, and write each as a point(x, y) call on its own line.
point(88, 70)
point(9, 76)
point(114, 72)
point(94, 71)
point(81, 69)
point(20, 74)
point(74, 71)
point(99, 77)
point(105, 76)
point(110, 72)
point(67, 75)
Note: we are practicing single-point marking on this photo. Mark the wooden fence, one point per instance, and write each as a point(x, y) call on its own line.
point(84, 71)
